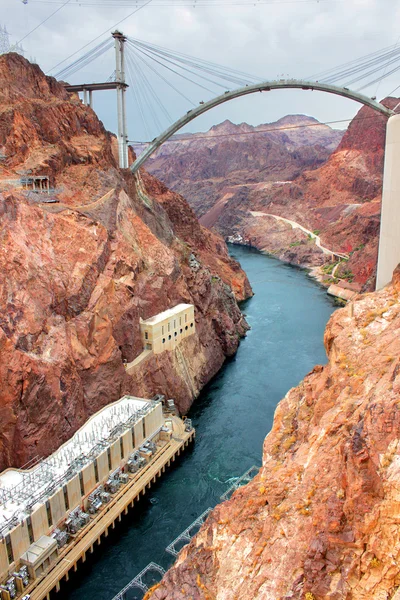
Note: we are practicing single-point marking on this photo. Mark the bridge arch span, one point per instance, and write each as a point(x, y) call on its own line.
point(265, 86)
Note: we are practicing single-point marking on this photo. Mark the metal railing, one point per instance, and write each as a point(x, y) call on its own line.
point(245, 478)
point(138, 580)
point(187, 535)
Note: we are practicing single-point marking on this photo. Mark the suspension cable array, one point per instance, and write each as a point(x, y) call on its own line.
point(155, 69)
point(163, 82)
point(362, 69)
point(85, 60)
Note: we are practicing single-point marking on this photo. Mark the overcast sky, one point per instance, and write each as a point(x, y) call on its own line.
point(285, 37)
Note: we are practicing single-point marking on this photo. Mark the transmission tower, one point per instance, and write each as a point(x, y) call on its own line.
point(18, 49)
point(5, 45)
point(4, 40)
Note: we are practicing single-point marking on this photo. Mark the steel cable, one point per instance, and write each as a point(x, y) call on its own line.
point(168, 82)
point(180, 75)
point(145, 88)
point(137, 98)
point(196, 64)
point(217, 67)
point(177, 65)
point(180, 67)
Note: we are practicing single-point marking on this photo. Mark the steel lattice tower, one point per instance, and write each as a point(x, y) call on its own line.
point(4, 40)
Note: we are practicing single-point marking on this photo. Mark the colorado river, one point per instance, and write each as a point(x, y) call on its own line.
point(287, 314)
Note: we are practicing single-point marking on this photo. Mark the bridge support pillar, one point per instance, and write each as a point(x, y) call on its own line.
point(389, 238)
point(122, 136)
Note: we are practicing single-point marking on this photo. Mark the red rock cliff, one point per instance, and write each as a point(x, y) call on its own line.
point(77, 274)
point(289, 173)
point(320, 521)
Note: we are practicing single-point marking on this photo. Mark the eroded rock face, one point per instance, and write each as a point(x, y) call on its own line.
point(77, 274)
point(303, 174)
point(212, 167)
point(320, 521)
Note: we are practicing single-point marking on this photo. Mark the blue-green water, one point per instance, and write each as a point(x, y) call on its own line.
point(287, 314)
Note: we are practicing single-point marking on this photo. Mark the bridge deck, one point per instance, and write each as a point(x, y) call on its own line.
point(95, 87)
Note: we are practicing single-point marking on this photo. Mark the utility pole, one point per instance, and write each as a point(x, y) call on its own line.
point(122, 137)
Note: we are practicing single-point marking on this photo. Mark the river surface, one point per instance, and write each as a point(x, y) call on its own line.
point(287, 315)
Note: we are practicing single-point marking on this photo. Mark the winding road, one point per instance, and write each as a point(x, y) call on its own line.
point(295, 225)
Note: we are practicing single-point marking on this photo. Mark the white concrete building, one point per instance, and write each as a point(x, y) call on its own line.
point(36, 501)
point(165, 330)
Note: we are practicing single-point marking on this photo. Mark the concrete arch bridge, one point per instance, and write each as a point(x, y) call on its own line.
point(389, 240)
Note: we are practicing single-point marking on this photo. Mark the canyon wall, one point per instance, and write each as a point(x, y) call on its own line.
point(80, 266)
point(320, 521)
point(211, 168)
point(337, 194)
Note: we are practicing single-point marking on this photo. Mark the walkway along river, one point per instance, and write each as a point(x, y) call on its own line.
point(287, 314)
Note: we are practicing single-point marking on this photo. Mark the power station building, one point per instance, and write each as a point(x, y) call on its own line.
point(165, 330)
point(38, 506)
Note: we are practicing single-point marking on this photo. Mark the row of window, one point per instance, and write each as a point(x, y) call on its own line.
point(10, 553)
point(169, 325)
point(146, 333)
point(176, 333)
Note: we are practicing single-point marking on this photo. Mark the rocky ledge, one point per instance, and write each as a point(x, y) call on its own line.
point(320, 521)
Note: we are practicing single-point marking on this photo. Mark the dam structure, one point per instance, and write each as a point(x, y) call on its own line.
point(54, 512)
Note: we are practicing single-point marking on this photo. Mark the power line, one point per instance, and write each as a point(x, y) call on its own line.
point(147, 93)
point(99, 36)
point(393, 91)
point(42, 22)
point(192, 3)
point(326, 72)
point(195, 137)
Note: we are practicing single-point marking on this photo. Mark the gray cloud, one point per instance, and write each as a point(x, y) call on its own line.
point(298, 39)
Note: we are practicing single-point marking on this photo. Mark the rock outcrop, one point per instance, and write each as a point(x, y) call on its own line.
point(80, 266)
point(320, 521)
point(213, 167)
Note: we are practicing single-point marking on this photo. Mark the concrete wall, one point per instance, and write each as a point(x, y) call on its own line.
point(57, 507)
point(128, 445)
point(102, 466)
point(19, 540)
point(89, 479)
point(74, 492)
point(138, 429)
point(154, 419)
point(115, 450)
point(3, 559)
point(389, 240)
point(166, 334)
point(40, 524)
